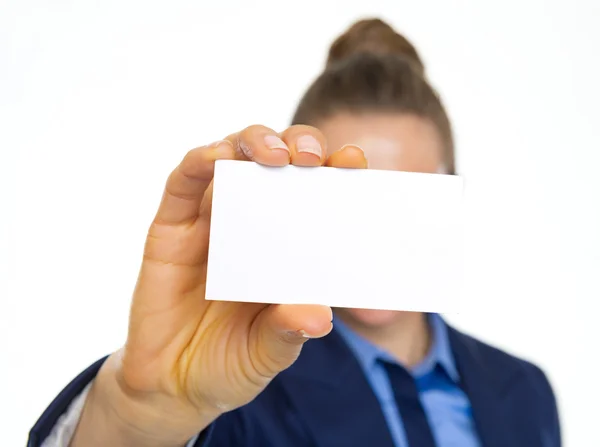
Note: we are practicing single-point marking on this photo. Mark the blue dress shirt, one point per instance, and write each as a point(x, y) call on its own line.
point(447, 407)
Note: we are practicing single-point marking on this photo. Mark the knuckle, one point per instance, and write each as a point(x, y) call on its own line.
point(251, 139)
point(253, 130)
point(196, 163)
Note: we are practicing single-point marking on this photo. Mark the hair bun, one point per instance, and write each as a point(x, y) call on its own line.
point(373, 36)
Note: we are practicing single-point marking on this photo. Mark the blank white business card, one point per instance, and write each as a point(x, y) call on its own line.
point(367, 239)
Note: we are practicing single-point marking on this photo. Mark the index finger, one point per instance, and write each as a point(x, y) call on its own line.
point(189, 181)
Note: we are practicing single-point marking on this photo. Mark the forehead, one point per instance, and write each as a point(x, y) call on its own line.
point(390, 141)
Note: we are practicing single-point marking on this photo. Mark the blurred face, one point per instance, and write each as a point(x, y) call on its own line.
point(391, 142)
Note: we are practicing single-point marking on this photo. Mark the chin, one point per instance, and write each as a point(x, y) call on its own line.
point(373, 318)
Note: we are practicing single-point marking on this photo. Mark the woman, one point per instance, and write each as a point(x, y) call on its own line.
point(196, 372)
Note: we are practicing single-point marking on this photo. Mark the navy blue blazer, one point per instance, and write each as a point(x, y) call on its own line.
point(324, 400)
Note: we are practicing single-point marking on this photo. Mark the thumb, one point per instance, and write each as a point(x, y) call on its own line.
point(349, 156)
point(281, 330)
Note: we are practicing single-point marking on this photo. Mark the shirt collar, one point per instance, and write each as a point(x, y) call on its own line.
point(440, 353)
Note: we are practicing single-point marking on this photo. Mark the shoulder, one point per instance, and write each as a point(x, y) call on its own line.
point(513, 369)
point(519, 384)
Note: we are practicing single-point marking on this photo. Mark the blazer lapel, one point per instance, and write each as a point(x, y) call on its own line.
point(336, 403)
point(333, 397)
point(486, 383)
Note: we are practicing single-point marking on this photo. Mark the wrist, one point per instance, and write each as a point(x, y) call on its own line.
point(117, 416)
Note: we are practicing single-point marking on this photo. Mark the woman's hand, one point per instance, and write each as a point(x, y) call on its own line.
point(188, 360)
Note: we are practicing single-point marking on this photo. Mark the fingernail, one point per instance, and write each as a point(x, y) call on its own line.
point(442, 169)
point(310, 145)
point(221, 145)
point(218, 143)
point(274, 142)
point(222, 148)
point(304, 334)
point(300, 333)
point(353, 146)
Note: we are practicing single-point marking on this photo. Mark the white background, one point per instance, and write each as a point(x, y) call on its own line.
point(99, 100)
